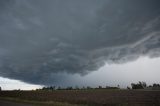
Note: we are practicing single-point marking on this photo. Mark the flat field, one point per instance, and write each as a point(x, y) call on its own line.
point(88, 97)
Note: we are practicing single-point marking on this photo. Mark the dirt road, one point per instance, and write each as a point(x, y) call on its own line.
point(9, 103)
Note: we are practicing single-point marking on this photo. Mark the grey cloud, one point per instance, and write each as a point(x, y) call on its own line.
point(41, 38)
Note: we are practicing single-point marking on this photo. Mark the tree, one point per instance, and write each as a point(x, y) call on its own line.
point(100, 87)
point(128, 87)
point(143, 84)
point(69, 88)
point(118, 86)
point(52, 88)
point(139, 85)
point(88, 87)
point(59, 88)
point(0, 89)
point(76, 87)
point(83, 87)
point(156, 85)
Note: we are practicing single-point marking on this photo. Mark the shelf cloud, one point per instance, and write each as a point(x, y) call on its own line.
point(39, 38)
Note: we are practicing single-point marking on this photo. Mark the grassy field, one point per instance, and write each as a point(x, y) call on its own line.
point(85, 97)
point(36, 103)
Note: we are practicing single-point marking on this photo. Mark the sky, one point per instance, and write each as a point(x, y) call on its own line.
point(78, 42)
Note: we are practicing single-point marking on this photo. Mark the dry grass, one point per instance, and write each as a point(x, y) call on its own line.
point(38, 103)
point(88, 97)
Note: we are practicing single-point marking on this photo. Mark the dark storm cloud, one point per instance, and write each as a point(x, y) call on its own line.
point(39, 38)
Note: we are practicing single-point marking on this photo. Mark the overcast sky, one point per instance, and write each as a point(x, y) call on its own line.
point(78, 42)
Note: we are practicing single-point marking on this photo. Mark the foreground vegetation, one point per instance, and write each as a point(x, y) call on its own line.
point(137, 95)
point(94, 97)
point(37, 103)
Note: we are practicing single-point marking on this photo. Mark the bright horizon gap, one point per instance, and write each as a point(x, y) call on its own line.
point(12, 84)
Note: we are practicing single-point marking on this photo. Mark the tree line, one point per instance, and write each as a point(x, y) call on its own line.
point(143, 85)
point(139, 85)
point(51, 88)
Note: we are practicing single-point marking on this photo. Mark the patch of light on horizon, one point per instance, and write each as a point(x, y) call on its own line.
point(10, 84)
point(143, 69)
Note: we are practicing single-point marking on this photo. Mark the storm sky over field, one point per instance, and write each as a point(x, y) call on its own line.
point(79, 42)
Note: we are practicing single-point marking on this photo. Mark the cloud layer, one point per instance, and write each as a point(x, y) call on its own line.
point(40, 38)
